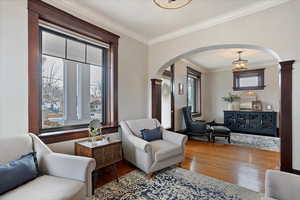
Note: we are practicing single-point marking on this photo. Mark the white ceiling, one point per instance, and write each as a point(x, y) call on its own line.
point(222, 58)
point(145, 21)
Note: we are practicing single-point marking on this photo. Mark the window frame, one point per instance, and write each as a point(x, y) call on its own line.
point(38, 10)
point(104, 72)
point(198, 90)
point(260, 73)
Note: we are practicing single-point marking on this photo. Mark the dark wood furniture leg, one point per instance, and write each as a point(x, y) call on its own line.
point(94, 180)
point(116, 171)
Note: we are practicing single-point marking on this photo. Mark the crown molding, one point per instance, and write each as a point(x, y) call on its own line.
point(249, 10)
point(91, 16)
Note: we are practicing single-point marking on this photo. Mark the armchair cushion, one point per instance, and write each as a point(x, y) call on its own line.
point(47, 188)
point(17, 172)
point(163, 150)
point(136, 126)
point(151, 134)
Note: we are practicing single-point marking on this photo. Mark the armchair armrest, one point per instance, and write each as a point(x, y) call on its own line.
point(282, 185)
point(140, 143)
point(174, 137)
point(69, 166)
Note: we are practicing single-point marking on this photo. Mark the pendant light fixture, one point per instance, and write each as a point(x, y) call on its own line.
point(171, 4)
point(240, 64)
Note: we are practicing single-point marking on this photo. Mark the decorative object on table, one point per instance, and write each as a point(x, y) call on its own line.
point(94, 130)
point(257, 105)
point(246, 100)
point(173, 183)
point(269, 107)
point(230, 99)
point(171, 4)
point(180, 89)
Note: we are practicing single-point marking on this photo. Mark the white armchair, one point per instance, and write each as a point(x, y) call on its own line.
point(155, 155)
point(64, 176)
point(282, 186)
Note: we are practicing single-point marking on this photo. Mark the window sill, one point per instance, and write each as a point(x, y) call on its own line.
point(249, 88)
point(61, 136)
point(196, 114)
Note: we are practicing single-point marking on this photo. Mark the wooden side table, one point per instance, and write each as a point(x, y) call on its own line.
point(106, 153)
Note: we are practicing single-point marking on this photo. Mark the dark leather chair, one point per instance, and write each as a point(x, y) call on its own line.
point(194, 127)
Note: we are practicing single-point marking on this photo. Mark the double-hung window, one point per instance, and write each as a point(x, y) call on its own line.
point(73, 80)
point(194, 90)
point(72, 75)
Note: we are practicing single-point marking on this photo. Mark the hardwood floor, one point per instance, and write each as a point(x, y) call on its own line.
point(239, 165)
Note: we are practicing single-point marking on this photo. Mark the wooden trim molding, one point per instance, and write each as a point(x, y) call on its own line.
point(261, 81)
point(156, 98)
point(172, 97)
point(193, 72)
point(75, 134)
point(38, 10)
point(286, 122)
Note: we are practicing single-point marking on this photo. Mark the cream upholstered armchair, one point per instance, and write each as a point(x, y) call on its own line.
point(154, 155)
point(63, 176)
point(282, 186)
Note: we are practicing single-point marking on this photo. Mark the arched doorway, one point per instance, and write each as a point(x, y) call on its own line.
point(285, 68)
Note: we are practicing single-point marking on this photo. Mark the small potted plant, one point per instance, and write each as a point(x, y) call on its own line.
point(230, 99)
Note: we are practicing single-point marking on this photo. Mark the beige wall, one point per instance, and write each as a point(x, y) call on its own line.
point(180, 101)
point(275, 28)
point(14, 69)
point(220, 84)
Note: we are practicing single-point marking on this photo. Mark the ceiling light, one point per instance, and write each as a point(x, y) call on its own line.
point(240, 64)
point(171, 4)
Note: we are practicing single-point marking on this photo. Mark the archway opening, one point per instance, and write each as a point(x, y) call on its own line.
point(272, 77)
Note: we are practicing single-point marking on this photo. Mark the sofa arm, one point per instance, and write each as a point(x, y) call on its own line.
point(175, 138)
point(71, 167)
point(282, 185)
point(140, 143)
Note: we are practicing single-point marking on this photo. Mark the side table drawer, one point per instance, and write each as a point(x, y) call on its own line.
point(107, 155)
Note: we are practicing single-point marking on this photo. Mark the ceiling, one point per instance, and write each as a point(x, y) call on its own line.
point(222, 58)
point(146, 20)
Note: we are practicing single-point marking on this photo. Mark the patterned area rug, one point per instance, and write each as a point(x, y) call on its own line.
point(254, 141)
point(172, 184)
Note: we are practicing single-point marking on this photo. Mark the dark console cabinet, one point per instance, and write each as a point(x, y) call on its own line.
point(256, 122)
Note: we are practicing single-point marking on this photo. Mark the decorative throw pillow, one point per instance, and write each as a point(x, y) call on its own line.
point(18, 172)
point(151, 134)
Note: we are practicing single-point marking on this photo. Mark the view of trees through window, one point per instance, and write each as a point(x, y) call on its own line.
point(72, 89)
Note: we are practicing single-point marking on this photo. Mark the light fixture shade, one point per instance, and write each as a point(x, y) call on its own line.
point(171, 4)
point(240, 64)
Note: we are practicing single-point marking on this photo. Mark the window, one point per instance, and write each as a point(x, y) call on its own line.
point(72, 81)
point(248, 80)
point(72, 72)
point(194, 90)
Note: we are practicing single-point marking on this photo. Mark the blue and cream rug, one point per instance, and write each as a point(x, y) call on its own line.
point(172, 184)
point(248, 140)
